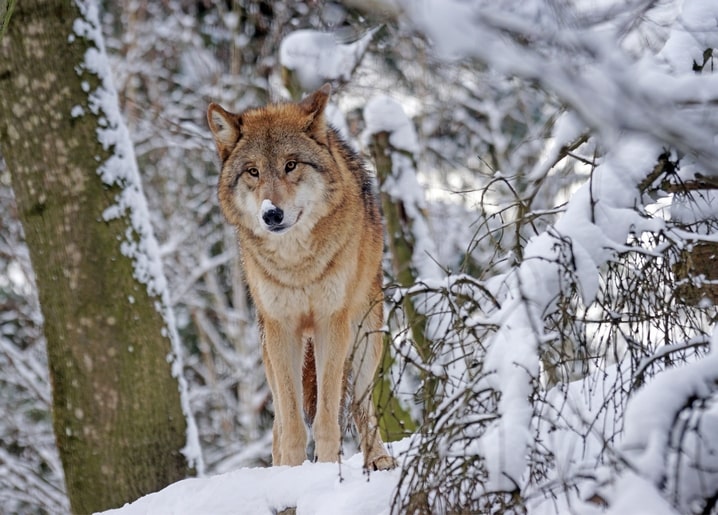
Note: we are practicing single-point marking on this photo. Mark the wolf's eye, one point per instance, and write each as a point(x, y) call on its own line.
point(253, 172)
point(291, 165)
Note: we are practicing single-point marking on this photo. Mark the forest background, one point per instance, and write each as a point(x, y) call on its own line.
point(547, 172)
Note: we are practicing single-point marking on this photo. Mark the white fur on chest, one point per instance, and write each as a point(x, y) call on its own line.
point(321, 298)
point(302, 282)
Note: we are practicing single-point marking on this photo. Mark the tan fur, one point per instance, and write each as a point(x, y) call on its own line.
point(314, 271)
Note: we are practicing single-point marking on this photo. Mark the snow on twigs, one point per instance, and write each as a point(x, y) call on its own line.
point(317, 57)
point(120, 170)
point(654, 436)
point(582, 240)
point(579, 61)
point(638, 106)
point(384, 114)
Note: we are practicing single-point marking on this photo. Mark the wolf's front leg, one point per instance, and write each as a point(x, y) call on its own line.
point(365, 358)
point(277, 423)
point(283, 353)
point(331, 350)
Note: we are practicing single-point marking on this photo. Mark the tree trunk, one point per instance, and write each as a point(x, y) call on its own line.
point(401, 243)
point(117, 412)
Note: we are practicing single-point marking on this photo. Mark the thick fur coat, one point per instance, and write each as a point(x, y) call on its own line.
point(311, 239)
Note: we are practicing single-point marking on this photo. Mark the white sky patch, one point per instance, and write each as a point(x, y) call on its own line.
point(120, 169)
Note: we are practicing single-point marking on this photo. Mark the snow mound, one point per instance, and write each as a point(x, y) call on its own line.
point(313, 488)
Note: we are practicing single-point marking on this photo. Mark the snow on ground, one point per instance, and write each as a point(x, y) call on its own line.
point(313, 488)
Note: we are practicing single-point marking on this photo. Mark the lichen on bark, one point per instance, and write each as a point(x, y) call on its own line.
point(117, 411)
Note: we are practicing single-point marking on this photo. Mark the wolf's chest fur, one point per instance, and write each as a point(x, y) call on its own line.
point(307, 271)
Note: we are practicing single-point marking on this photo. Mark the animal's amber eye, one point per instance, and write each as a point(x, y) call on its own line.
point(254, 172)
point(291, 165)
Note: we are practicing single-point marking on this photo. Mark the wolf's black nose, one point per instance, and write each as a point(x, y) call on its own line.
point(273, 217)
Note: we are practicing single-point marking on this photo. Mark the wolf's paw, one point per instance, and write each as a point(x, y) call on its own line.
point(383, 462)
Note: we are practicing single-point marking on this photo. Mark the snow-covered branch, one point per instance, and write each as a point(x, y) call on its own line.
point(578, 56)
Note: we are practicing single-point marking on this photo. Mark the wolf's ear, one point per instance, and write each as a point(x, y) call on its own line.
point(225, 127)
point(314, 106)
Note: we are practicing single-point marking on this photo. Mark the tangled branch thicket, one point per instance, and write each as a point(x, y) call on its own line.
point(593, 358)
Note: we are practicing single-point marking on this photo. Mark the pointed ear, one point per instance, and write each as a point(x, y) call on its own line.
point(225, 127)
point(314, 106)
point(315, 103)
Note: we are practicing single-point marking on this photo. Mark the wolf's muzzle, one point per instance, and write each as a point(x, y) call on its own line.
point(273, 217)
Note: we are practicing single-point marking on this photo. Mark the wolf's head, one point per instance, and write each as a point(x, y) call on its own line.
point(277, 166)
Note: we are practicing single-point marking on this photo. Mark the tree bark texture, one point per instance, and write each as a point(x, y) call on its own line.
point(395, 421)
point(401, 240)
point(6, 8)
point(116, 406)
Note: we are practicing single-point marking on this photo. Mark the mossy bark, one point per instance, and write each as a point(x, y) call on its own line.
point(116, 406)
point(395, 421)
point(401, 240)
point(6, 8)
point(401, 244)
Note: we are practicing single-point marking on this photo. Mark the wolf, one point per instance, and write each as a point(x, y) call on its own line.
point(310, 231)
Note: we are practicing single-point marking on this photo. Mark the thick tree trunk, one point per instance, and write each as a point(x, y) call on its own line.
point(117, 415)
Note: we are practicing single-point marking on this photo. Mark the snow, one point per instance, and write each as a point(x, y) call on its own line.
point(582, 240)
point(602, 215)
point(384, 114)
point(313, 488)
point(77, 111)
point(649, 431)
point(317, 57)
point(698, 21)
point(639, 497)
point(625, 94)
